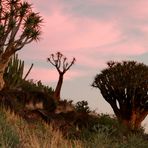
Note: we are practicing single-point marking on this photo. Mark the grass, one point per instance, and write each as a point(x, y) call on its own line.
point(8, 136)
point(16, 132)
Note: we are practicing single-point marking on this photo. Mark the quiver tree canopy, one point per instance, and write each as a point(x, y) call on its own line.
point(19, 26)
point(60, 62)
point(125, 87)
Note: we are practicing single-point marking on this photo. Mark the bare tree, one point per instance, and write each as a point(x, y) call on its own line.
point(59, 61)
point(19, 26)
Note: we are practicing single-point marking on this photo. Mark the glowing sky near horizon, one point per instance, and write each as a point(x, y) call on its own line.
point(92, 31)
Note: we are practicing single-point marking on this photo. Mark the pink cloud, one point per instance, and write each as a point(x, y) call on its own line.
point(92, 41)
point(72, 33)
point(138, 9)
point(125, 49)
point(66, 34)
point(51, 75)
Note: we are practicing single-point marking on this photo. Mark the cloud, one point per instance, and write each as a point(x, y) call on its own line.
point(63, 31)
point(93, 31)
point(139, 9)
point(51, 75)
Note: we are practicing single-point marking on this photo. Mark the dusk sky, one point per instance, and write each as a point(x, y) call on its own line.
point(92, 31)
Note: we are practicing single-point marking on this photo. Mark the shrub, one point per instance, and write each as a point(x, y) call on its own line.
point(82, 107)
point(134, 141)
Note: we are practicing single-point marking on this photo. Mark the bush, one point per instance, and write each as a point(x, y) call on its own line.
point(82, 107)
point(16, 100)
point(134, 141)
point(99, 140)
point(30, 85)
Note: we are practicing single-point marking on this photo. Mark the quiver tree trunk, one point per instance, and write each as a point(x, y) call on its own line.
point(129, 115)
point(1, 81)
point(134, 122)
point(58, 87)
point(3, 65)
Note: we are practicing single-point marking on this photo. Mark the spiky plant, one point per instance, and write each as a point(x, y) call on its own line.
point(14, 73)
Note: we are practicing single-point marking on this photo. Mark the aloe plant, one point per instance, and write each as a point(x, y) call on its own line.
point(13, 75)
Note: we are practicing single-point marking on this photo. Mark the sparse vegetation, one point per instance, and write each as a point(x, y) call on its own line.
point(16, 132)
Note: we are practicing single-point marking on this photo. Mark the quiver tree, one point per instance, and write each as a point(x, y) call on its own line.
point(59, 61)
point(125, 87)
point(19, 26)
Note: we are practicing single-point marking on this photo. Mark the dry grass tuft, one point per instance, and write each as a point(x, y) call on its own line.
point(39, 135)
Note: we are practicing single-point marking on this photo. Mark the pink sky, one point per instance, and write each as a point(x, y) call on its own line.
point(92, 31)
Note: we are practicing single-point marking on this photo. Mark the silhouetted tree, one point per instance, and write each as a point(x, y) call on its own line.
point(60, 63)
point(125, 87)
point(19, 26)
